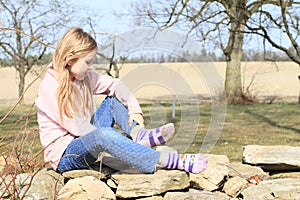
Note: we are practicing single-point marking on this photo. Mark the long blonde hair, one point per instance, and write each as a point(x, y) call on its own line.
point(74, 44)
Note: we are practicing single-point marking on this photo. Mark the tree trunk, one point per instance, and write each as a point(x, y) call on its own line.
point(233, 53)
point(21, 83)
point(233, 84)
point(299, 91)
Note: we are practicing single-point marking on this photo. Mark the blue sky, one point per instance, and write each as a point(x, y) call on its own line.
point(108, 21)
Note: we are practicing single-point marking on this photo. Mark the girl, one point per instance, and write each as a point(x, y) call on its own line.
point(73, 136)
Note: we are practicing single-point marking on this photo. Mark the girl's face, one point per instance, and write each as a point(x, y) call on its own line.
point(80, 67)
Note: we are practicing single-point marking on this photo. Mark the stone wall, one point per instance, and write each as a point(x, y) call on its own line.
point(222, 180)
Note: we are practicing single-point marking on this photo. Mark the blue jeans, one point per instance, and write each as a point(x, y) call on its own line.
point(110, 112)
point(83, 151)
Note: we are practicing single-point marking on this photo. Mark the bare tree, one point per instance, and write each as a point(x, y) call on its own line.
point(113, 62)
point(279, 25)
point(26, 31)
point(224, 22)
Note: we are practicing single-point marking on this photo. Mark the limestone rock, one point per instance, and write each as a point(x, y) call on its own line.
point(44, 185)
point(285, 175)
point(2, 164)
point(143, 185)
point(221, 181)
point(272, 158)
point(153, 198)
point(195, 195)
point(111, 184)
point(6, 186)
point(82, 173)
point(246, 171)
point(9, 165)
point(234, 186)
point(23, 180)
point(12, 183)
point(87, 187)
point(211, 178)
point(288, 188)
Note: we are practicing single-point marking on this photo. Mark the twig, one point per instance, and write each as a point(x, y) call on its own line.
point(32, 37)
point(19, 100)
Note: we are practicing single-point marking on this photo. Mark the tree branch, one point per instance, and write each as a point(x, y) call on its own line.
point(28, 35)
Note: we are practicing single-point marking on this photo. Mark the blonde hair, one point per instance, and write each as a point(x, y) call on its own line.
point(74, 44)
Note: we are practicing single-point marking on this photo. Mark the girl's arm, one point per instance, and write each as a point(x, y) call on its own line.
point(104, 84)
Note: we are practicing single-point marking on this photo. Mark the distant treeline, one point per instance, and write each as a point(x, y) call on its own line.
point(158, 57)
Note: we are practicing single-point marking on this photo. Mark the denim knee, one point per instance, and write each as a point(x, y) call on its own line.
point(76, 156)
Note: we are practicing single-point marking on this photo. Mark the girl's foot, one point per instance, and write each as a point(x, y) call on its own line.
point(153, 137)
point(194, 163)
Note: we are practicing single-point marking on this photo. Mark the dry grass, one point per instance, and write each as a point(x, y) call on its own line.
point(19, 142)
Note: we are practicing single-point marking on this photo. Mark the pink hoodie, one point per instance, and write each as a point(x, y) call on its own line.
point(56, 136)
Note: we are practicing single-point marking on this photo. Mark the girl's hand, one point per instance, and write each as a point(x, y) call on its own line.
point(138, 118)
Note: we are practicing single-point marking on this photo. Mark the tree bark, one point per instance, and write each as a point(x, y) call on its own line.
point(299, 91)
point(21, 83)
point(233, 84)
point(233, 53)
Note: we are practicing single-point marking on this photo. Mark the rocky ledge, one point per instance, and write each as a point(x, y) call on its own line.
point(221, 180)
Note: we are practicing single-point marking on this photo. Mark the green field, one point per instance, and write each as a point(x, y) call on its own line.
point(260, 124)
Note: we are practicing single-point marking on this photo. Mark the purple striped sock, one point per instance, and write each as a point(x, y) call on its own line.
point(154, 137)
point(194, 163)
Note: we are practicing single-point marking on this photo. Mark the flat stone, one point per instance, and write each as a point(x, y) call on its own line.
point(285, 175)
point(273, 158)
point(288, 188)
point(81, 173)
point(153, 198)
point(195, 195)
point(246, 171)
point(145, 185)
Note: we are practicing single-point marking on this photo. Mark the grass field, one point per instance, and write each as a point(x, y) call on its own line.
point(260, 124)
